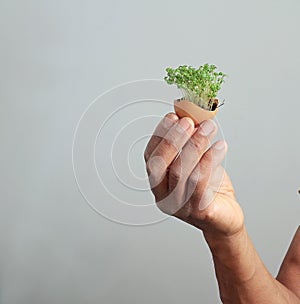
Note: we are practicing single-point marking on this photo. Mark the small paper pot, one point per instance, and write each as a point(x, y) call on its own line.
point(185, 108)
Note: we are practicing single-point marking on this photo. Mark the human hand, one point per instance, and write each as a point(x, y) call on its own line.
point(187, 178)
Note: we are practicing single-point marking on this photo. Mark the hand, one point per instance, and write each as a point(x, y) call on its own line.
point(187, 179)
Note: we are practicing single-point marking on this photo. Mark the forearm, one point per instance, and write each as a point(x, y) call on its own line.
point(289, 273)
point(241, 275)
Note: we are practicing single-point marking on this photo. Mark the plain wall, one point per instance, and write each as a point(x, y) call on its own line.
point(56, 58)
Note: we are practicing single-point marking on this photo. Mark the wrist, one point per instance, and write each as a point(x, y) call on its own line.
point(226, 246)
point(235, 253)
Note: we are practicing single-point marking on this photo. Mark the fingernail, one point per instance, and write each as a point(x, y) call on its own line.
point(169, 121)
point(220, 145)
point(183, 125)
point(207, 127)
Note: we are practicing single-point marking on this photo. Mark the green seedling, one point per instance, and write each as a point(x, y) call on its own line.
point(199, 86)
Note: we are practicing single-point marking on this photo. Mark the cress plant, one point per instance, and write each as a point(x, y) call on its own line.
point(199, 86)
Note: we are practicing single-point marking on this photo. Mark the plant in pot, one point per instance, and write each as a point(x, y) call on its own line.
point(199, 89)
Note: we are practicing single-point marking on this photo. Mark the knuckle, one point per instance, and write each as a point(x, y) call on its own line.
point(208, 127)
point(155, 166)
point(170, 138)
point(194, 179)
point(198, 143)
point(207, 216)
point(206, 161)
point(167, 144)
point(211, 158)
point(179, 134)
point(197, 181)
point(175, 174)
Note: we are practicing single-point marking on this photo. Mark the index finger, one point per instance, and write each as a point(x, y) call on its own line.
point(160, 131)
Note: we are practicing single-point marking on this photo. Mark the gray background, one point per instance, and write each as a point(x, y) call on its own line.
point(56, 57)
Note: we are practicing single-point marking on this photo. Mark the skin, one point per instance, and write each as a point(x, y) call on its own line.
point(189, 182)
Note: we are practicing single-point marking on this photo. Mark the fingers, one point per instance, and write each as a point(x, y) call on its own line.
point(174, 140)
point(160, 131)
point(196, 174)
point(207, 177)
point(192, 153)
point(157, 163)
point(165, 152)
point(189, 157)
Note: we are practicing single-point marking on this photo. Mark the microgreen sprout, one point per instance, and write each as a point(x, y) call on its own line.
point(199, 86)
